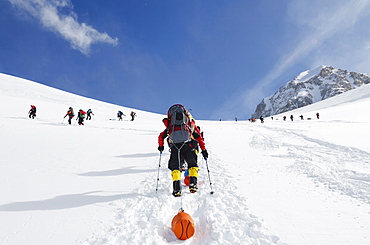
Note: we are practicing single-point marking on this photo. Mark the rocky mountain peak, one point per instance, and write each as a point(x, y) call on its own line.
point(309, 87)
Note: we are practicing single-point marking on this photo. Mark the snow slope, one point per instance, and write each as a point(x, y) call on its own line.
point(300, 182)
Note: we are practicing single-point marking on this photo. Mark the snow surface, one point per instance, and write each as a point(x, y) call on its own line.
point(300, 182)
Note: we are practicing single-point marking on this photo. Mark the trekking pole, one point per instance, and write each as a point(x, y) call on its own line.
point(159, 166)
point(179, 160)
point(209, 177)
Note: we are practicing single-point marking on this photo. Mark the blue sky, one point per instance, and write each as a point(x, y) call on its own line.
point(219, 58)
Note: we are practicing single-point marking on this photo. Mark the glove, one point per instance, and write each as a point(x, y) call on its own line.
point(161, 148)
point(205, 154)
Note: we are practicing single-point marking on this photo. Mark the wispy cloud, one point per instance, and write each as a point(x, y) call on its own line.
point(80, 35)
point(318, 21)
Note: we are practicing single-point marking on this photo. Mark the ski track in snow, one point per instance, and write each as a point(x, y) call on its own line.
point(221, 218)
point(324, 162)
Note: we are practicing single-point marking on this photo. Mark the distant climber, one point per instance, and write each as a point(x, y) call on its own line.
point(119, 115)
point(32, 112)
point(262, 120)
point(81, 117)
point(301, 116)
point(133, 115)
point(291, 118)
point(317, 115)
point(70, 114)
point(88, 114)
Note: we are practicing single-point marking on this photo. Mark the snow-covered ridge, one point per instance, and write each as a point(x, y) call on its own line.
point(310, 87)
point(303, 76)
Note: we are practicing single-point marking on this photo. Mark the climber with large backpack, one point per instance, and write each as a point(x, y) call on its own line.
point(119, 115)
point(70, 114)
point(80, 117)
point(88, 114)
point(32, 112)
point(184, 138)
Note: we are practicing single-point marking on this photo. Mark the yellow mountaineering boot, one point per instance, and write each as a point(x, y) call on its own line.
point(193, 173)
point(176, 176)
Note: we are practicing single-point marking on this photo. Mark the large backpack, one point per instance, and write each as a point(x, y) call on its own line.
point(71, 113)
point(81, 114)
point(179, 127)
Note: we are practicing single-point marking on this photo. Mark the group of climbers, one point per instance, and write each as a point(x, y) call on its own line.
point(284, 118)
point(81, 115)
point(120, 114)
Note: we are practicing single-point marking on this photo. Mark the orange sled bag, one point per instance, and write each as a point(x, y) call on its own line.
point(183, 225)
